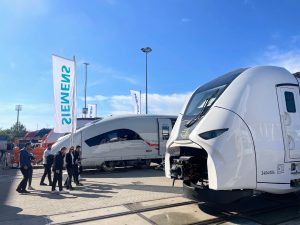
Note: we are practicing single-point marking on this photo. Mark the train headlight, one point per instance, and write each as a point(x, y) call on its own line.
point(212, 133)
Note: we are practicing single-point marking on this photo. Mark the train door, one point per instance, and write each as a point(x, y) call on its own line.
point(164, 131)
point(288, 97)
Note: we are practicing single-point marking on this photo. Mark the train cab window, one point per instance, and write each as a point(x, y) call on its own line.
point(127, 135)
point(290, 102)
point(173, 121)
point(113, 136)
point(202, 101)
point(165, 132)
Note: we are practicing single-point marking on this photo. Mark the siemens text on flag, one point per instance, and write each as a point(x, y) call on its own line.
point(64, 82)
point(136, 99)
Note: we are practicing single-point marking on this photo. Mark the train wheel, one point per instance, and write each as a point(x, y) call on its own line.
point(108, 166)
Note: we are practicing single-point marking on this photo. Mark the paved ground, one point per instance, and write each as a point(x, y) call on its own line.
point(99, 190)
point(134, 197)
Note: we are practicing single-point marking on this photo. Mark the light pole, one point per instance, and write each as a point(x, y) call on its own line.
point(85, 109)
point(18, 109)
point(146, 50)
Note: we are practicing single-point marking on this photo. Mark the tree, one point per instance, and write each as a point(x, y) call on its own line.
point(14, 131)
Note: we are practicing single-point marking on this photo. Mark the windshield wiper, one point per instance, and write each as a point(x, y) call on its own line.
point(201, 113)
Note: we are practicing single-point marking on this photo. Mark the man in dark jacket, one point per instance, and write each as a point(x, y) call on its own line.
point(70, 167)
point(25, 166)
point(77, 165)
point(57, 168)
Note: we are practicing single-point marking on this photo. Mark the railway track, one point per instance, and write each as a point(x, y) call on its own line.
point(260, 210)
point(264, 209)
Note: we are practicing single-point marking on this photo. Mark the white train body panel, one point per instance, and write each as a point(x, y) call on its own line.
point(263, 137)
point(121, 138)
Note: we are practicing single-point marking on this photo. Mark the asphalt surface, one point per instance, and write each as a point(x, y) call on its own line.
point(100, 190)
point(133, 197)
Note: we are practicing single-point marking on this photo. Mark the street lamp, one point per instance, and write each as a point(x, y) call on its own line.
point(85, 109)
point(18, 109)
point(146, 50)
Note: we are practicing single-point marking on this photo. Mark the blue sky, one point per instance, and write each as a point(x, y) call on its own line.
point(193, 41)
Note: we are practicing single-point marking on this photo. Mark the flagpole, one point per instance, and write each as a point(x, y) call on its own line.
point(96, 112)
point(73, 106)
point(140, 102)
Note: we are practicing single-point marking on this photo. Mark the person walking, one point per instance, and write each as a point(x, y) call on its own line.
point(30, 170)
point(25, 164)
point(70, 167)
point(57, 168)
point(48, 158)
point(77, 165)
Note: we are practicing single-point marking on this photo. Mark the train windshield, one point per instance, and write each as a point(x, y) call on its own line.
point(206, 95)
point(201, 101)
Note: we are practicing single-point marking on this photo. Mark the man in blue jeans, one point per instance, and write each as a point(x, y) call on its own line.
point(25, 166)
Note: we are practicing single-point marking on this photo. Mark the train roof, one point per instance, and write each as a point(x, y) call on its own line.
point(221, 80)
point(128, 116)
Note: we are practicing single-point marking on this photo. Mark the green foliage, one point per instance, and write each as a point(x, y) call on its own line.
point(14, 131)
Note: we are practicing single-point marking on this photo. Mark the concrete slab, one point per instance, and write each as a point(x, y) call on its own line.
point(122, 220)
point(178, 215)
point(86, 214)
point(99, 190)
point(157, 203)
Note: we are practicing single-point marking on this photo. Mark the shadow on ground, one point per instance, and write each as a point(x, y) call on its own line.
point(263, 209)
point(130, 172)
point(10, 215)
point(101, 187)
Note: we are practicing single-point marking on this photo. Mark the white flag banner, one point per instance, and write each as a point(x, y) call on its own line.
point(136, 100)
point(92, 110)
point(64, 82)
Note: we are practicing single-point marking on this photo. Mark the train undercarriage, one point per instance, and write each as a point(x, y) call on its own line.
point(191, 168)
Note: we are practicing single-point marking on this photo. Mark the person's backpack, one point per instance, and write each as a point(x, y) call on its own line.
point(50, 159)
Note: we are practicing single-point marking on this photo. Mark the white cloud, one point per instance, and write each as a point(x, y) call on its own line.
point(289, 59)
point(157, 103)
point(94, 98)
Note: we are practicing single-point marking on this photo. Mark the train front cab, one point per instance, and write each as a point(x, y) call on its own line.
point(248, 140)
point(216, 164)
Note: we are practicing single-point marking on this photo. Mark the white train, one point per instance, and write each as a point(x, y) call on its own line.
point(121, 140)
point(238, 135)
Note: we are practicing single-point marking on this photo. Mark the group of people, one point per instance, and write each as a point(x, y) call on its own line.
point(70, 159)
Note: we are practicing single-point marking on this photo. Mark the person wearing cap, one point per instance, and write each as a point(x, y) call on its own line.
point(25, 165)
point(57, 169)
point(70, 167)
point(47, 163)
